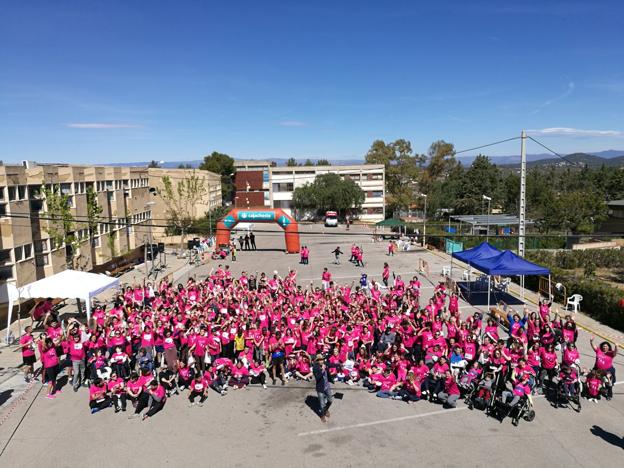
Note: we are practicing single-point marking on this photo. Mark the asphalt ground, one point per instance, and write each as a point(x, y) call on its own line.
point(278, 427)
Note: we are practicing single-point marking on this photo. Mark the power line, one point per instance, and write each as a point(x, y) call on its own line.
point(489, 144)
point(553, 151)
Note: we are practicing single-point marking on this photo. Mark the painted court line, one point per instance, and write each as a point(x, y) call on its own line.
point(401, 418)
point(382, 421)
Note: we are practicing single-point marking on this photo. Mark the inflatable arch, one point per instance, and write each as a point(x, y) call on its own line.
point(260, 215)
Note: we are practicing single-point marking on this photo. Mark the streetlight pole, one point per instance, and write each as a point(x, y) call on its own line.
point(487, 232)
point(424, 221)
point(148, 206)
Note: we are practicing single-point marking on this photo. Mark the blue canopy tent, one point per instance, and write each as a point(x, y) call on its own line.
point(482, 251)
point(508, 263)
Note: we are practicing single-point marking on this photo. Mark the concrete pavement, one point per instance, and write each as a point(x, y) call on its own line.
point(277, 427)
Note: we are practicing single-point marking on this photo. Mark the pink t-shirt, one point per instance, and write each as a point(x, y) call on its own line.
point(76, 351)
point(29, 350)
point(604, 361)
point(49, 358)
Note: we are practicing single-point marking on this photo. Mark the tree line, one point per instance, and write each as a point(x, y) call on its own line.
point(571, 199)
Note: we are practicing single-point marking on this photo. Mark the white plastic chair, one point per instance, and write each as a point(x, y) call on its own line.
point(446, 271)
point(504, 285)
point(574, 302)
point(466, 275)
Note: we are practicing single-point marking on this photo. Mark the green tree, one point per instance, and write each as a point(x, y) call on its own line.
point(181, 199)
point(185, 166)
point(577, 212)
point(402, 167)
point(61, 224)
point(292, 162)
point(323, 162)
point(153, 164)
point(329, 192)
point(208, 223)
point(93, 216)
point(440, 161)
point(482, 178)
point(223, 165)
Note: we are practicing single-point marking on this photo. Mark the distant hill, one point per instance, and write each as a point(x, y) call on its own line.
point(574, 160)
point(278, 161)
point(611, 158)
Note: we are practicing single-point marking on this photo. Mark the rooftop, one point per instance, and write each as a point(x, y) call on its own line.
point(493, 220)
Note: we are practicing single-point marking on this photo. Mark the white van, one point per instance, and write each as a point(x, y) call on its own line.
point(331, 219)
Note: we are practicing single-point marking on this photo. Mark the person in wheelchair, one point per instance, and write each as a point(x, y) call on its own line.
point(483, 394)
point(521, 391)
point(568, 382)
point(468, 379)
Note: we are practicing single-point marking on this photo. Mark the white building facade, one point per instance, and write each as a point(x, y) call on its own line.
point(283, 180)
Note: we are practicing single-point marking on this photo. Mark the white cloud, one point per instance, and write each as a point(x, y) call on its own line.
point(292, 123)
point(566, 131)
point(568, 91)
point(99, 126)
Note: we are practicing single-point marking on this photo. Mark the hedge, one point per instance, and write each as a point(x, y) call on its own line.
point(601, 301)
point(573, 259)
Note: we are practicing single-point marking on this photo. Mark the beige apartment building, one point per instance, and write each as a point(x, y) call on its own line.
point(210, 199)
point(128, 202)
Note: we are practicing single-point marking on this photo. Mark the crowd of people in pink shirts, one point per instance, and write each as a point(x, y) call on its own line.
point(226, 332)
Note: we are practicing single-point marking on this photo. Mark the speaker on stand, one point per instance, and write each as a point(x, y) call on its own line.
point(162, 254)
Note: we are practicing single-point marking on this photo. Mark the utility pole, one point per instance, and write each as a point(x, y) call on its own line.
point(424, 195)
point(522, 211)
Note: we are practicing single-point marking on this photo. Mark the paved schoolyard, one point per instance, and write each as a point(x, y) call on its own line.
point(277, 427)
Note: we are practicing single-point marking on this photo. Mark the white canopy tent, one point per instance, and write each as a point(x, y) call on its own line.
point(63, 285)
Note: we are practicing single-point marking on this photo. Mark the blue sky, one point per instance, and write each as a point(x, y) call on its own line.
point(107, 81)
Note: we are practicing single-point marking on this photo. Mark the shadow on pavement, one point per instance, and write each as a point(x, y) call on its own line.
point(607, 436)
point(313, 403)
point(4, 396)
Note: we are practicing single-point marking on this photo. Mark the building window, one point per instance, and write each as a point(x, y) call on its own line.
point(42, 260)
point(41, 245)
point(285, 204)
point(5, 256)
point(66, 189)
point(376, 194)
point(19, 253)
point(3, 209)
point(28, 251)
point(21, 192)
point(12, 193)
point(374, 177)
point(6, 273)
point(97, 242)
point(1, 193)
point(283, 187)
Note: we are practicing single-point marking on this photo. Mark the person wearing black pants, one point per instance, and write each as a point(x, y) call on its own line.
point(198, 389)
point(154, 398)
point(119, 400)
point(252, 239)
point(98, 396)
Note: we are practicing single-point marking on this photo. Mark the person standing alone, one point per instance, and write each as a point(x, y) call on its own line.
point(323, 388)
